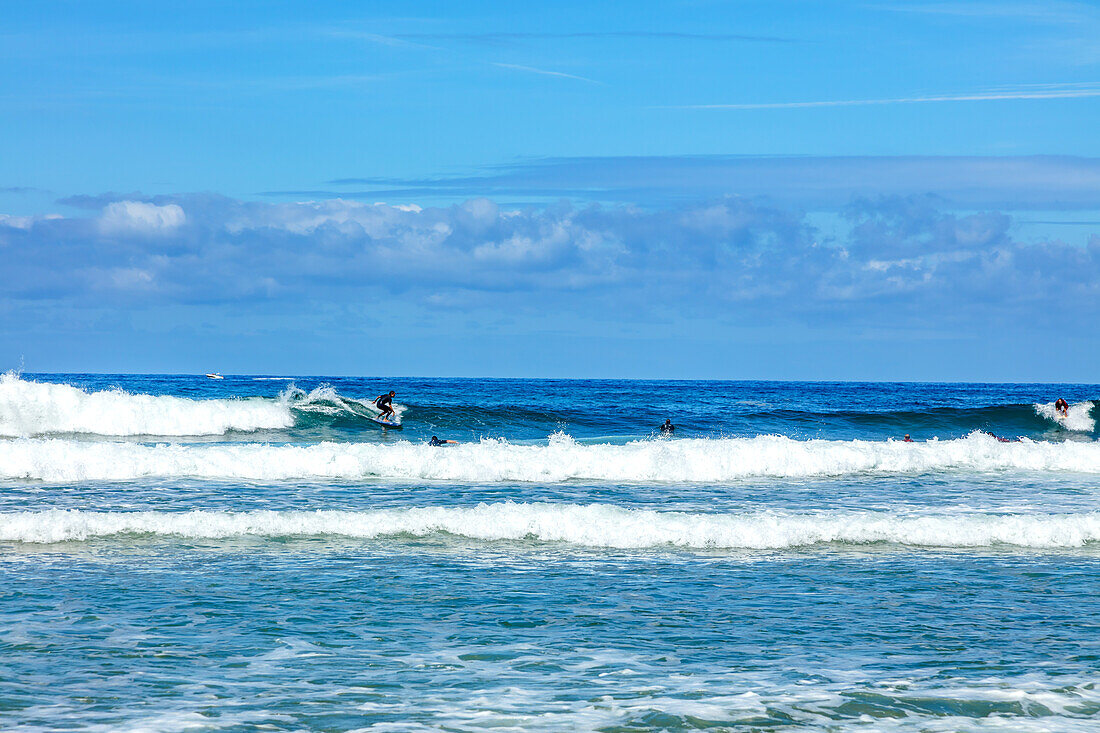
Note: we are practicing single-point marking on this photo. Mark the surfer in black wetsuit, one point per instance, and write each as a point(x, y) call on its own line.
point(384, 402)
point(437, 442)
point(1062, 406)
point(668, 428)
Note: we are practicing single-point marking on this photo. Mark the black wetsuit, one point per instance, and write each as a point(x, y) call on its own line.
point(384, 403)
point(668, 428)
point(436, 441)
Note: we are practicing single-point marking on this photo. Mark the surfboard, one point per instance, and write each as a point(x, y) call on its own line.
point(215, 375)
point(386, 423)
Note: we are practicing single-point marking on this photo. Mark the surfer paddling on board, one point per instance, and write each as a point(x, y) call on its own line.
point(437, 442)
point(1062, 406)
point(384, 402)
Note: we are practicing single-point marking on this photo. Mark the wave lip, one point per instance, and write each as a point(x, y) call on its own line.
point(30, 408)
point(592, 525)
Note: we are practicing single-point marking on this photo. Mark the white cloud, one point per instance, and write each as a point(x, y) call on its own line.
point(138, 217)
point(25, 222)
point(131, 278)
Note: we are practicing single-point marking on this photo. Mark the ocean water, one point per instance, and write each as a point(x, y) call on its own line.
point(253, 553)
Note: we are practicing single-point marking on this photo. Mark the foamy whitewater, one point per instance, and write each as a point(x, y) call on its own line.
point(34, 408)
point(561, 459)
point(591, 525)
point(181, 553)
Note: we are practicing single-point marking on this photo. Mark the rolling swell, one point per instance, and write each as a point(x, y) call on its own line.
point(1030, 420)
point(323, 406)
point(592, 525)
point(30, 408)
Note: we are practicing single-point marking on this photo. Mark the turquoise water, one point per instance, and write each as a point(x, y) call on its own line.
point(182, 553)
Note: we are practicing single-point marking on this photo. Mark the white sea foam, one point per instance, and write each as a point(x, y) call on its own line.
point(592, 525)
point(562, 459)
point(1077, 418)
point(38, 408)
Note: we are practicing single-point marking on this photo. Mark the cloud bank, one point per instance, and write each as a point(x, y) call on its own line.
point(904, 262)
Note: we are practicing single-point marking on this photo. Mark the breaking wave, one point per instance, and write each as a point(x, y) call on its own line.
point(562, 459)
point(29, 408)
point(592, 525)
point(326, 403)
point(36, 408)
point(1078, 417)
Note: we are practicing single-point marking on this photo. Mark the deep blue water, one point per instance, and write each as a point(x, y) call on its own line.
point(184, 553)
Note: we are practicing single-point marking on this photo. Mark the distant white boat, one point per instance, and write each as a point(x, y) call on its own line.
point(215, 375)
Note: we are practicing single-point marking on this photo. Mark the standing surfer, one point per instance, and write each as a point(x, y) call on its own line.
point(1062, 406)
point(384, 402)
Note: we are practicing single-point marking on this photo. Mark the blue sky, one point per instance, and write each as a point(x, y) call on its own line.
point(785, 190)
